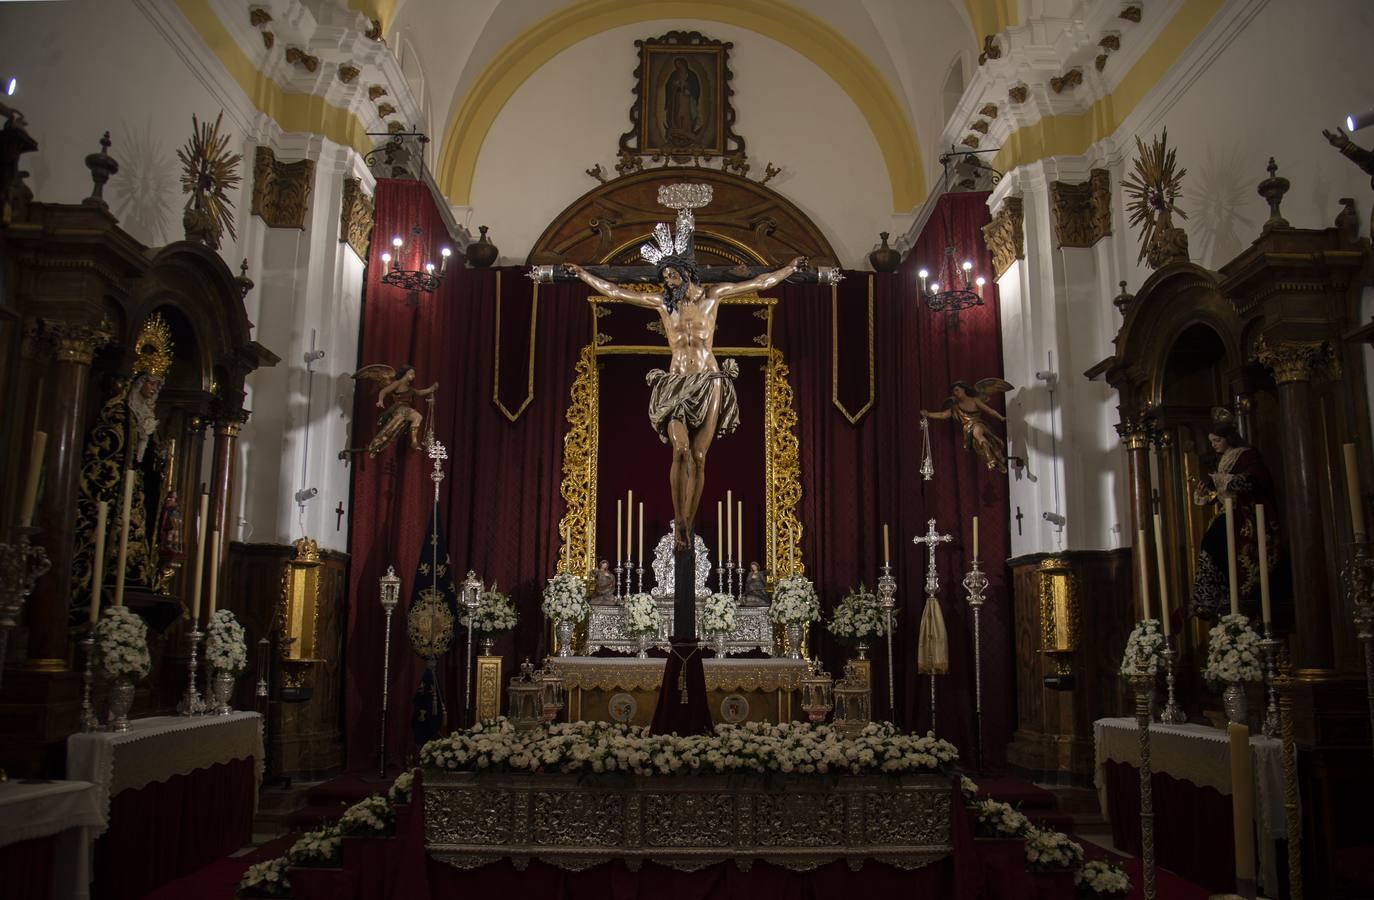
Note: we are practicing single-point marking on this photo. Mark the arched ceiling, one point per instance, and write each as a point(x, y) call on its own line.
point(889, 56)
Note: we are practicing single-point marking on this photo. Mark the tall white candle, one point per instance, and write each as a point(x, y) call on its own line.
point(214, 575)
point(1263, 562)
point(729, 521)
point(618, 558)
point(102, 515)
point(629, 525)
point(202, 536)
point(720, 534)
point(739, 531)
point(641, 534)
point(887, 559)
point(1143, 569)
point(1163, 582)
point(125, 505)
point(1231, 555)
point(36, 451)
point(1352, 487)
point(975, 537)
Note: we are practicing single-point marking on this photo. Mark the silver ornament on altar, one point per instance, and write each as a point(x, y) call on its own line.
point(664, 575)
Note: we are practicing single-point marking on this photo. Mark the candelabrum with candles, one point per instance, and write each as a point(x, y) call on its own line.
point(410, 267)
point(21, 565)
point(887, 602)
point(976, 585)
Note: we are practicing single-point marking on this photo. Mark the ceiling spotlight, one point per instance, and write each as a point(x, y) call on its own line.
point(1360, 120)
point(11, 85)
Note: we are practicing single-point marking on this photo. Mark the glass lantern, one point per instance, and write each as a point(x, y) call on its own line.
point(525, 696)
point(817, 689)
point(852, 702)
point(553, 691)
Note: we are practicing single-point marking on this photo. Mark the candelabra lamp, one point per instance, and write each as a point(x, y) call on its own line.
point(21, 565)
point(526, 698)
point(409, 265)
point(818, 692)
point(852, 702)
point(976, 586)
point(553, 690)
point(887, 602)
point(391, 595)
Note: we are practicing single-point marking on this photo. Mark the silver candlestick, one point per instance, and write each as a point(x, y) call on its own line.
point(621, 570)
point(976, 585)
point(737, 585)
point(1144, 683)
point(1173, 714)
point(191, 703)
point(21, 565)
point(1270, 647)
point(721, 586)
point(639, 578)
point(887, 602)
point(89, 722)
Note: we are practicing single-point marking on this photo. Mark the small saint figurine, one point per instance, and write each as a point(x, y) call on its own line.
point(966, 404)
point(755, 587)
point(400, 414)
point(603, 592)
point(169, 529)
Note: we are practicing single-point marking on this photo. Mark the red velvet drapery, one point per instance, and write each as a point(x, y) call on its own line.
point(501, 504)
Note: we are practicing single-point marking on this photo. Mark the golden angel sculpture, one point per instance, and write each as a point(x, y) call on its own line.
point(396, 399)
point(967, 404)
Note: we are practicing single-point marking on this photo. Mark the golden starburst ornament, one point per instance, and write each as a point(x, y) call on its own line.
point(1153, 190)
point(208, 173)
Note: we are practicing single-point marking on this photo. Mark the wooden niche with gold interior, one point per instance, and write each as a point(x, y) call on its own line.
point(298, 614)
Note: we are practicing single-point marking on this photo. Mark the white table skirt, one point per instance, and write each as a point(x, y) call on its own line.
point(156, 748)
point(68, 809)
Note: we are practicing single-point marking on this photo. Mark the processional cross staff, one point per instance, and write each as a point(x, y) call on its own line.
point(932, 650)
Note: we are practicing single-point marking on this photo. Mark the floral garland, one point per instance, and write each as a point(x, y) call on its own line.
point(370, 816)
point(857, 618)
point(752, 747)
point(321, 847)
point(400, 790)
point(641, 614)
point(1047, 849)
point(565, 598)
point(1148, 639)
point(226, 649)
point(266, 879)
point(494, 615)
point(718, 614)
point(1233, 652)
point(795, 602)
point(121, 644)
point(1098, 878)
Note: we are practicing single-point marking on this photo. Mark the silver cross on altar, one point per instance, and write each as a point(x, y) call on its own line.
point(931, 539)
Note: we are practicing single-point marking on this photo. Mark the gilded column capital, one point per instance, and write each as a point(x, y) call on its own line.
point(230, 424)
point(77, 341)
point(1134, 432)
point(1292, 361)
point(1005, 235)
point(1162, 440)
point(281, 191)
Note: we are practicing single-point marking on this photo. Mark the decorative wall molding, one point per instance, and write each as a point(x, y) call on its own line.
point(1005, 235)
point(356, 217)
point(281, 191)
point(1082, 212)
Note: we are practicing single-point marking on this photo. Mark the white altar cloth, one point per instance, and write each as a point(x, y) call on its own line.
point(67, 809)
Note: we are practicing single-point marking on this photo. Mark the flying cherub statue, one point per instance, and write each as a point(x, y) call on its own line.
point(966, 404)
point(396, 398)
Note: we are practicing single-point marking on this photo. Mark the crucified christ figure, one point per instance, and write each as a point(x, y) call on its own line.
point(694, 400)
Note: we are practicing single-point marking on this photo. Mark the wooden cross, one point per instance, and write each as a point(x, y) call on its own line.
point(932, 539)
point(338, 524)
point(1019, 517)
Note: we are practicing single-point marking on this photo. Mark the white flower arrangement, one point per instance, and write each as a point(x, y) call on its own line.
point(641, 614)
point(718, 614)
point(858, 618)
point(226, 649)
point(266, 879)
point(993, 818)
point(1148, 639)
point(494, 615)
point(370, 816)
point(969, 789)
point(321, 847)
point(565, 598)
point(749, 748)
point(1098, 878)
point(399, 792)
point(794, 602)
point(1233, 652)
point(1047, 849)
point(121, 642)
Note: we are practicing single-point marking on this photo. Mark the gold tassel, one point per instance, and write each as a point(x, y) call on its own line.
point(932, 648)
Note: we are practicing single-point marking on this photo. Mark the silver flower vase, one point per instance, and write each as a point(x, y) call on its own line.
point(121, 701)
point(718, 641)
point(1233, 698)
point(564, 630)
point(224, 692)
point(642, 640)
point(794, 640)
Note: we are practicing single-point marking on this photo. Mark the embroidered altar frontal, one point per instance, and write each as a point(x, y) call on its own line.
point(625, 690)
point(685, 823)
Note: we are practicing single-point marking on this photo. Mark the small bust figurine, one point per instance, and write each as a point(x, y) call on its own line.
point(755, 587)
point(603, 593)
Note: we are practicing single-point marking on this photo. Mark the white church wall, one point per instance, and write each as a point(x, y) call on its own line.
point(570, 114)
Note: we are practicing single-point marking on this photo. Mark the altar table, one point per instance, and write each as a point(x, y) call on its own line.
point(1191, 785)
point(176, 793)
point(46, 832)
point(607, 689)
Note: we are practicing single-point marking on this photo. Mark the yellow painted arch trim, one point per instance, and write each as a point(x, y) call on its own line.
point(833, 53)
